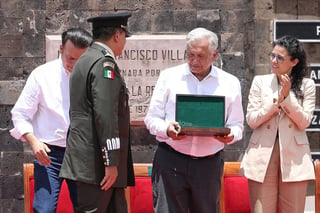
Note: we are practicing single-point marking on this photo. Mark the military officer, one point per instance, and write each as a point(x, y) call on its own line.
point(98, 153)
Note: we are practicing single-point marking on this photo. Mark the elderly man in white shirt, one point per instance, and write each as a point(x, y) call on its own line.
point(187, 169)
point(41, 118)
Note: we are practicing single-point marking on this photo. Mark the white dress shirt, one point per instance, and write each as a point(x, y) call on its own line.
point(43, 105)
point(180, 80)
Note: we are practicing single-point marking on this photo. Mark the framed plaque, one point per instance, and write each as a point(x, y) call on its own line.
point(201, 115)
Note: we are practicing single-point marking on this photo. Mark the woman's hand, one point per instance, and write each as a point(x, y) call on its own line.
point(285, 83)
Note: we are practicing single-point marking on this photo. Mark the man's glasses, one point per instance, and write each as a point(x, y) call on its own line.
point(279, 58)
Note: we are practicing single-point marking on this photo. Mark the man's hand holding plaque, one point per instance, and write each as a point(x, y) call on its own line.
point(173, 131)
point(225, 138)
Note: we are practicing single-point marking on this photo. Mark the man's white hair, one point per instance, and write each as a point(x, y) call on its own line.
point(202, 33)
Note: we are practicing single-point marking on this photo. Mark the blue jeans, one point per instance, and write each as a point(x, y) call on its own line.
point(47, 183)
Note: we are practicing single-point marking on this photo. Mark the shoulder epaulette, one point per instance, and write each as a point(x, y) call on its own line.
point(106, 53)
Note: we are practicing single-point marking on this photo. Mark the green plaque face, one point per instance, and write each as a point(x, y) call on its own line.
point(198, 114)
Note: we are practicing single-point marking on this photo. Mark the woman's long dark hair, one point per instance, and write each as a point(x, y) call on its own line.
point(295, 50)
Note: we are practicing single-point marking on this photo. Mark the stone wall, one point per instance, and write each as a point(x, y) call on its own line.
point(244, 28)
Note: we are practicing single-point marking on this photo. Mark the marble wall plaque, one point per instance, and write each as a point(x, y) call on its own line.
point(141, 62)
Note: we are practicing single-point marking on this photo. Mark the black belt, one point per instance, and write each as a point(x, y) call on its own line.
point(169, 148)
point(55, 147)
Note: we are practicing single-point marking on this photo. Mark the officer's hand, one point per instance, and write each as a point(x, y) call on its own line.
point(111, 174)
point(173, 131)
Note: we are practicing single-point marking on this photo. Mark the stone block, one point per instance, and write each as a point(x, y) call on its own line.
point(89, 5)
point(233, 155)
point(314, 140)
point(8, 143)
point(239, 145)
point(15, 183)
point(34, 30)
point(140, 21)
point(15, 68)
point(184, 20)
point(209, 19)
point(11, 25)
point(264, 10)
point(234, 20)
point(12, 205)
point(10, 91)
point(121, 5)
point(231, 4)
point(264, 14)
point(137, 6)
point(5, 116)
point(158, 5)
point(205, 4)
point(264, 4)
point(11, 45)
point(162, 21)
point(313, 52)
point(12, 8)
point(140, 136)
point(308, 8)
point(286, 9)
point(262, 51)
point(234, 64)
point(184, 4)
point(79, 18)
point(35, 5)
point(10, 67)
point(232, 42)
point(263, 30)
point(11, 163)
point(317, 97)
point(143, 154)
point(57, 22)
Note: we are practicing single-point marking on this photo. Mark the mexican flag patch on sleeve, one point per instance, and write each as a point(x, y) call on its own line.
point(108, 74)
point(108, 69)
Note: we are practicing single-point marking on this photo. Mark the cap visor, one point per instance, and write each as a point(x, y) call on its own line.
point(128, 33)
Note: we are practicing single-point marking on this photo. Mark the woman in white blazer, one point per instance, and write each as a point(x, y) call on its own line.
point(277, 161)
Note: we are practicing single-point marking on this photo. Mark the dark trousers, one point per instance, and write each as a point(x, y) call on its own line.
point(181, 184)
point(92, 199)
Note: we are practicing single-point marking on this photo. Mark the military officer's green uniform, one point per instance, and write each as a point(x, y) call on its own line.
point(99, 132)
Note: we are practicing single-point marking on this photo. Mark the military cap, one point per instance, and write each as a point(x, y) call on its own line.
point(118, 20)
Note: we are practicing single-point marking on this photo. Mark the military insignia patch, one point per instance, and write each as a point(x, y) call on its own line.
point(108, 64)
point(108, 74)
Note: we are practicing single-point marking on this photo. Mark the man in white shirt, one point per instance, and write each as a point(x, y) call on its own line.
point(41, 118)
point(187, 170)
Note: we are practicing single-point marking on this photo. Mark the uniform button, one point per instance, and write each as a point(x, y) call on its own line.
point(268, 127)
point(290, 125)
